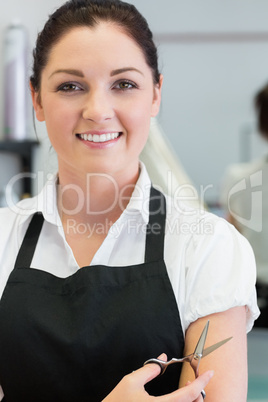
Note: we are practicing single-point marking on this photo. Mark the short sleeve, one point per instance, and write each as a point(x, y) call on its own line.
point(220, 272)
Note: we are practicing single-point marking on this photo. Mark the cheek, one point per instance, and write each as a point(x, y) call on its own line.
point(141, 120)
point(59, 119)
point(138, 129)
point(138, 114)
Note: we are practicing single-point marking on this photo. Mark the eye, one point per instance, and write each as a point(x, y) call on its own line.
point(124, 85)
point(69, 87)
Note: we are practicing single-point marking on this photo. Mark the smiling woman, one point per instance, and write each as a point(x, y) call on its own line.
point(105, 76)
point(101, 272)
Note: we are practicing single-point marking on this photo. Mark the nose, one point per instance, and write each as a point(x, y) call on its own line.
point(98, 106)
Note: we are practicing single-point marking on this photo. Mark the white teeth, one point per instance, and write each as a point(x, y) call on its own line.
point(99, 138)
point(96, 138)
point(102, 138)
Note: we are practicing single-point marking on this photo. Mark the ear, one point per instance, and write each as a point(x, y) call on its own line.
point(36, 99)
point(157, 97)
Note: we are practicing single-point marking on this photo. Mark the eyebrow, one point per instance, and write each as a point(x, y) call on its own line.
point(79, 73)
point(123, 70)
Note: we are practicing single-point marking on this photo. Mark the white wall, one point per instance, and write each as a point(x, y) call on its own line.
point(209, 80)
point(207, 109)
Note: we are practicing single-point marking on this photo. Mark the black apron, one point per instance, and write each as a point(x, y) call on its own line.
point(73, 339)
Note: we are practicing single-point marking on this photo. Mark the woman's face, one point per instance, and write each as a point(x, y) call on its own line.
point(97, 97)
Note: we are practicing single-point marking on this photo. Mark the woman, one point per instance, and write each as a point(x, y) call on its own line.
point(110, 272)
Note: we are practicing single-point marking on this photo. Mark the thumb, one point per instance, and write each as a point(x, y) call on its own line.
point(204, 378)
point(192, 390)
point(148, 372)
point(200, 382)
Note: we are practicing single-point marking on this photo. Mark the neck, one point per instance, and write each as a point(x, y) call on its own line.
point(94, 197)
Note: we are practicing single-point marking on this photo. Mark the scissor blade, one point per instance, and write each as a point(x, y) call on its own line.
point(200, 344)
point(211, 349)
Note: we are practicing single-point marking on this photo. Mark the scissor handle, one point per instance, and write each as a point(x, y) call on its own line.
point(163, 364)
point(160, 363)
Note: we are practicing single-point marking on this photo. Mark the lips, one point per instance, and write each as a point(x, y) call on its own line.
point(104, 137)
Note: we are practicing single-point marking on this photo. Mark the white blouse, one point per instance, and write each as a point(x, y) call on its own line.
point(211, 266)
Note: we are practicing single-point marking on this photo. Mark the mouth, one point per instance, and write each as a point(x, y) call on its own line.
point(96, 138)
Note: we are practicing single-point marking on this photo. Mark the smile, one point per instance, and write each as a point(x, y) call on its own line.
point(99, 137)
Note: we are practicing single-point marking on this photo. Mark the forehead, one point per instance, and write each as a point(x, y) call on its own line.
point(106, 42)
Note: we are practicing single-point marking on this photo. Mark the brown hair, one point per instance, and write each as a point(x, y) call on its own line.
point(261, 104)
point(75, 13)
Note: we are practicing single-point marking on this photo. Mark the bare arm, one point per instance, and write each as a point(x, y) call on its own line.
point(229, 361)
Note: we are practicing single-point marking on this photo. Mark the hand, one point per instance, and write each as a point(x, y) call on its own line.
point(131, 387)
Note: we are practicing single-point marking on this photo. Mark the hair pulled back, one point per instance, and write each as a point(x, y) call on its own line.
point(80, 13)
point(261, 104)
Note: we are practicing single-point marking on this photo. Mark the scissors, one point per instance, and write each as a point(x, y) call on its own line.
point(195, 357)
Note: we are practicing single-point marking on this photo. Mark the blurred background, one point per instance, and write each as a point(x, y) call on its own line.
point(214, 58)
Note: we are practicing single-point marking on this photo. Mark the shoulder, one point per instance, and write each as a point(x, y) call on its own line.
point(15, 217)
point(207, 258)
point(202, 240)
point(209, 233)
point(14, 221)
point(197, 225)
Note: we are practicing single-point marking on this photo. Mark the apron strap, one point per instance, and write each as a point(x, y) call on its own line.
point(154, 247)
point(26, 252)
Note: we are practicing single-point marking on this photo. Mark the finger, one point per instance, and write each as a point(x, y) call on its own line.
point(191, 392)
point(199, 384)
point(203, 379)
point(148, 372)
